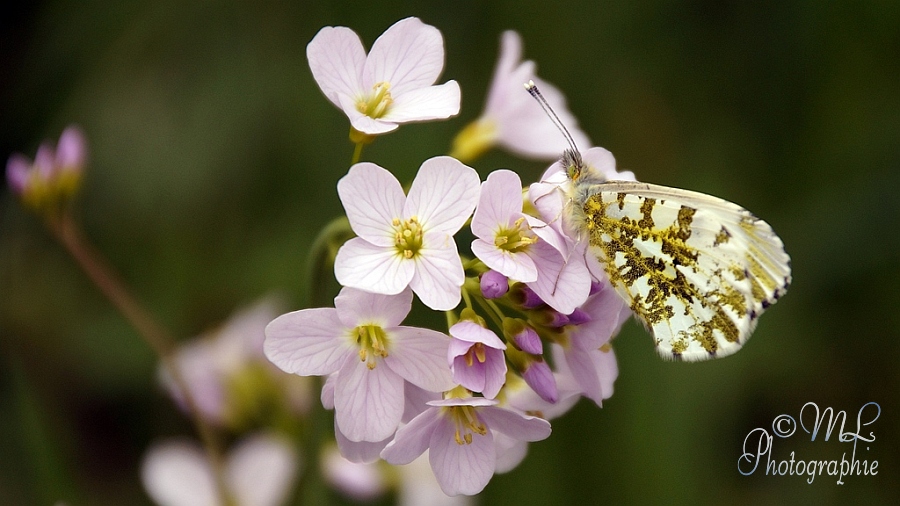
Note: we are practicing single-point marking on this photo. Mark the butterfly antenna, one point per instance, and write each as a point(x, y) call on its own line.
point(536, 94)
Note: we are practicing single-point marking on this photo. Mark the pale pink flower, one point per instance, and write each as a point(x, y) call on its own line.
point(361, 339)
point(459, 435)
point(524, 247)
point(259, 471)
point(407, 240)
point(511, 118)
point(476, 358)
point(390, 86)
point(587, 354)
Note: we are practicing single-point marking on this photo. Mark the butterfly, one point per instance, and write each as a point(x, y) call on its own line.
point(696, 270)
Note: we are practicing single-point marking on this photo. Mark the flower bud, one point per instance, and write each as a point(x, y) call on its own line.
point(524, 337)
point(540, 378)
point(494, 285)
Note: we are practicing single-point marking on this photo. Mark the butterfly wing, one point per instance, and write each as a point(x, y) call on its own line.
point(697, 270)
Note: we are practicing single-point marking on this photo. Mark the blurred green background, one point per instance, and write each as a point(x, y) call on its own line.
point(214, 159)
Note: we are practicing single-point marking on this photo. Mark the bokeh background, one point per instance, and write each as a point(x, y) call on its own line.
point(214, 159)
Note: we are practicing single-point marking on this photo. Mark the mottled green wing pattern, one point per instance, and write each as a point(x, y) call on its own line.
point(697, 270)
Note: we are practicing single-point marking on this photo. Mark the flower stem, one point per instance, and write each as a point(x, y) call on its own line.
point(357, 153)
point(67, 232)
point(321, 259)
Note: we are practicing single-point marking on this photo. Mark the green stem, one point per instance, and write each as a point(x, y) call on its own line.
point(357, 153)
point(104, 277)
point(321, 259)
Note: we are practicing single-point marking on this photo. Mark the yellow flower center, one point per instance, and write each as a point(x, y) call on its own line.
point(515, 240)
point(467, 423)
point(476, 352)
point(372, 343)
point(377, 104)
point(408, 237)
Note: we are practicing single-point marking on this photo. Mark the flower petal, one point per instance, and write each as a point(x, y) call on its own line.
point(461, 468)
point(408, 55)
point(261, 470)
point(359, 452)
point(420, 357)
point(438, 276)
point(358, 307)
point(510, 452)
point(373, 199)
point(499, 204)
point(518, 266)
point(423, 104)
point(309, 342)
point(585, 372)
point(443, 194)
point(471, 332)
point(18, 169)
point(494, 373)
point(563, 285)
point(412, 439)
point(336, 57)
point(368, 403)
point(176, 473)
point(360, 264)
point(515, 425)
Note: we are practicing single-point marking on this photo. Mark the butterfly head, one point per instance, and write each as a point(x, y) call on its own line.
point(572, 164)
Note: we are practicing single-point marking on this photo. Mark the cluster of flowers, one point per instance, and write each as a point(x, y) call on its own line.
point(474, 398)
point(531, 338)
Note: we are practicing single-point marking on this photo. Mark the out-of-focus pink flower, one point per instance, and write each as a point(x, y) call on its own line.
point(259, 471)
point(54, 175)
point(407, 240)
point(511, 118)
point(394, 84)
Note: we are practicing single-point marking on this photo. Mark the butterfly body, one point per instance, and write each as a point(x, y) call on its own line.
point(696, 270)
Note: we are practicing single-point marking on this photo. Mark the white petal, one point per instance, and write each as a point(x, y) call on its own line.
point(438, 277)
point(443, 194)
point(510, 452)
point(360, 264)
point(499, 204)
point(510, 54)
point(408, 55)
point(585, 373)
point(471, 332)
point(515, 425)
point(336, 58)
point(261, 470)
point(562, 285)
point(413, 438)
point(373, 199)
point(358, 452)
point(461, 468)
point(309, 342)
point(518, 266)
point(420, 357)
point(358, 307)
point(424, 104)
point(368, 403)
point(176, 473)
point(418, 486)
